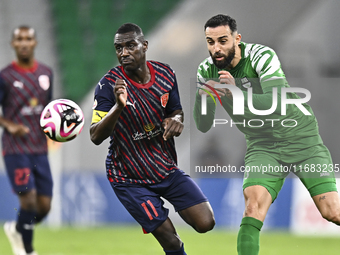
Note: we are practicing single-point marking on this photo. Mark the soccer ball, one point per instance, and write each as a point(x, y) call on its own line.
point(62, 120)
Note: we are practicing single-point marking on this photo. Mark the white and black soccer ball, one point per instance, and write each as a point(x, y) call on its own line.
point(62, 120)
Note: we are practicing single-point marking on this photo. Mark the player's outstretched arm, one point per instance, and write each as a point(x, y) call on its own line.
point(103, 129)
point(173, 125)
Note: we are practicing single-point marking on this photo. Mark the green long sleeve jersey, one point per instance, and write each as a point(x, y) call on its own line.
point(258, 72)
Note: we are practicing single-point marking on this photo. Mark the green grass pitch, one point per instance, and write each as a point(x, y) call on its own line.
point(129, 240)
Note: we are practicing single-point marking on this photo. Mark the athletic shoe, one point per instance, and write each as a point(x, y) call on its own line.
point(14, 238)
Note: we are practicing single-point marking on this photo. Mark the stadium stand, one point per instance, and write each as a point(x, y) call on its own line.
point(85, 32)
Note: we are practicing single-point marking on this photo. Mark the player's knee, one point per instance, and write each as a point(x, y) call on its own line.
point(252, 209)
point(205, 226)
point(28, 200)
point(45, 209)
point(28, 204)
point(41, 214)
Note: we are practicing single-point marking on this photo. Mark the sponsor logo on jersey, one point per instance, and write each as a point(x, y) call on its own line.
point(147, 135)
point(44, 82)
point(324, 174)
point(31, 110)
point(245, 83)
point(101, 85)
point(132, 104)
point(18, 84)
point(164, 99)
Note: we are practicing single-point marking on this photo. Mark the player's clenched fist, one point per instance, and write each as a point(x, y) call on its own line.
point(226, 77)
point(120, 92)
point(211, 84)
point(172, 127)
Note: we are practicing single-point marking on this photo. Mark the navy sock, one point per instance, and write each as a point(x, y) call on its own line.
point(178, 252)
point(25, 224)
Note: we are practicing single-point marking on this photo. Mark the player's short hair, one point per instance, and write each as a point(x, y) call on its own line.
point(24, 27)
point(221, 20)
point(131, 27)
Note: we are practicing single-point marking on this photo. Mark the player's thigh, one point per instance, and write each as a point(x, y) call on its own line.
point(189, 201)
point(143, 204)
point(264, 169)
point(182, 191)
point(19, 171)
point(42, 175)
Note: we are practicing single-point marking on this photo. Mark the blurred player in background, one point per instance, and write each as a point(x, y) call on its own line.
point(248, 65)
point(25, 89)
point(137, 104)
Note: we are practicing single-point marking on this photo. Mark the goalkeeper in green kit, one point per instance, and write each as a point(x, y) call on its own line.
point(277, 140)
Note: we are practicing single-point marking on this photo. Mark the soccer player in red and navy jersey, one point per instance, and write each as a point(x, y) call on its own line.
point(25, 89)
point(137, 105)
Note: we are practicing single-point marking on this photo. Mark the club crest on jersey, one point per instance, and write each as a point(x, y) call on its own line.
point(18, 84)
point(44, 82)
point(245, 83)
point(95, 103)
point(164, 99)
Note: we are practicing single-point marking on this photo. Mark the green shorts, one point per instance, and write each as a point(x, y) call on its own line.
point(268, 164)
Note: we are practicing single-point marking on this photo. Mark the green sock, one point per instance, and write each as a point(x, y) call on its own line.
point(248, 239)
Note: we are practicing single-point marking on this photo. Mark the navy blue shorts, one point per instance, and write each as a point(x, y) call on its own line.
point(144, 202)
point(29, 171)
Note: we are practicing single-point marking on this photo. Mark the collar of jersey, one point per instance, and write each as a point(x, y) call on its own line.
point(146, 85)
point(25, 70)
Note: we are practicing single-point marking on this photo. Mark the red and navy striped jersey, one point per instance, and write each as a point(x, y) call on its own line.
point(137, 151)
point(23, 95)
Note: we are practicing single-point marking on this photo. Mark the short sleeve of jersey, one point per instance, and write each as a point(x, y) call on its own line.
point(266, 64)
point(174, 102)
point(104, 99)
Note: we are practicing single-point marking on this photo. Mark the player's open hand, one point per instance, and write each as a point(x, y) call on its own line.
point(120, 92)
point(17, 129)
point(207, 87)
point(173, 126)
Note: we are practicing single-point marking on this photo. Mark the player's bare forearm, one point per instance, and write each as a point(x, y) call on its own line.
point(13, 128)
point(103, 129)
point(173, 125)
